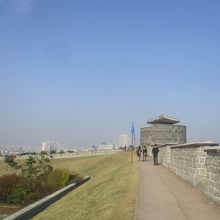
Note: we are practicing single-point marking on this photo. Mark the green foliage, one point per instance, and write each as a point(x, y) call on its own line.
point(30, 170)
point(19, 196)
point(53, 151)
point(36, 171)
point(37, 180)
point(61, 152)
point(43, 152)
point(29, 186)
point(9, 184)
point(37, 167)
point(58, 178)
point(44, 167)
point(10, 160)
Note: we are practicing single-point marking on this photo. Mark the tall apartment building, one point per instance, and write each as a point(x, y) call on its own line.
point(124, 140)
point(49, 146)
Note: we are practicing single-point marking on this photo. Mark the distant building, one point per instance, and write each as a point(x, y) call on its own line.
point(106, 146)
point(163, 130)
point(49, 146)
point(124, 140)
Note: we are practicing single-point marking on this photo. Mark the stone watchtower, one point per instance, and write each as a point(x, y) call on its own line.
point(163, 130)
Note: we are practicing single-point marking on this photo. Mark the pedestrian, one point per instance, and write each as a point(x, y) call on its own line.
point(155, 152)
point(139, 152)
point(144, 153)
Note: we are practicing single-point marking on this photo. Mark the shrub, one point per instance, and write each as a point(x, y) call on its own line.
point(30, 170)
point(74, 178)
point(10, 160)
point(19, 195)
point(36, 170)
point(58, 179)
point(9, 184)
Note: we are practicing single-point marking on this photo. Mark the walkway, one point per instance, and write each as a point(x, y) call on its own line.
point(164, 196)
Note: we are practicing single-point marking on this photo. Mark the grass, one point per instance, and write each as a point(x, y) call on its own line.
point(6, 169)
point(109, 195)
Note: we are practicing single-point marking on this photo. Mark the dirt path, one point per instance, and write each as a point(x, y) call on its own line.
point(164, 196)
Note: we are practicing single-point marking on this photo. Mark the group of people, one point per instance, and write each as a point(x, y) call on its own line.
point(142, 152)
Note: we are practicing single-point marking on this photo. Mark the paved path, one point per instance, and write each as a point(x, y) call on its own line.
point(164, 196)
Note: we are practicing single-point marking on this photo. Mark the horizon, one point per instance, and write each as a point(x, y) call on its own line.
point(81, 72)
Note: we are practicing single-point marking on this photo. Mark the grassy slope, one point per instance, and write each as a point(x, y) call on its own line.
point(110, 194)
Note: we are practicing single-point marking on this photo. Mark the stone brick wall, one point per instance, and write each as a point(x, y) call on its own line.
point(162, 134)
point(213, 172)
point(164, 155)
point(198, 163)
point(188, 161)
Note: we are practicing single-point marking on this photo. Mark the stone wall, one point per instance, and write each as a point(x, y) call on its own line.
point(198, 163)
point(162, 134)
point(165, 155)
point(188, 161)
point(213, 172)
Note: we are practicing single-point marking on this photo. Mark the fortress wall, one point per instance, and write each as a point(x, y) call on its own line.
point(198, 163)
point(213, 172)
point(188, 162)
point(164, 155)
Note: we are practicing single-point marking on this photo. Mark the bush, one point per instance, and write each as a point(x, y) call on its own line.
point(19, 195)
point(74, 178)
point(9, 184)
point(58, 179)
point(10, 160)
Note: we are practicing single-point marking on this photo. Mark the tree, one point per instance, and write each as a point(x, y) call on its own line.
point(10, 161)
point(53, 152)
point(36, 171)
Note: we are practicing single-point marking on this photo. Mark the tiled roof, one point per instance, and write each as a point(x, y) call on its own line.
point(163, 119)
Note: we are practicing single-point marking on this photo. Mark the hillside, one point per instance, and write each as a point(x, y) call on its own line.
point(109, 195)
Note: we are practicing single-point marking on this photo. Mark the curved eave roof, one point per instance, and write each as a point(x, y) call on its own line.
point(163, 119)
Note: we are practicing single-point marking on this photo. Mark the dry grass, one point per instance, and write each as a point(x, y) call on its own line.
point(4, 169)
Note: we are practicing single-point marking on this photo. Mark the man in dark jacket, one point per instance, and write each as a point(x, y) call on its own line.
point(144, 153)
point(155, 152)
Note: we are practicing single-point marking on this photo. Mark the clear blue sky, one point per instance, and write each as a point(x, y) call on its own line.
point(80, 71)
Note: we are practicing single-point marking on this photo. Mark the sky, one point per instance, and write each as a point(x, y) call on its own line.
point(81, 71)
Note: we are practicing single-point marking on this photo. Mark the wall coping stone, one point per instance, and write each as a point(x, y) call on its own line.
point(196, 144)
point(165, 145)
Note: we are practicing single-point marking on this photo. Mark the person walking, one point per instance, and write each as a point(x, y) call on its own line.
point(139, 152)
point(144, 153)
point(155, 152)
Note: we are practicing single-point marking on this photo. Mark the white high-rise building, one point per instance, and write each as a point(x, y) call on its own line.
point(49, 146)
point(124, 140)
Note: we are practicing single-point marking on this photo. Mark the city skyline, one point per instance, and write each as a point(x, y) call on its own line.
point(81, 72)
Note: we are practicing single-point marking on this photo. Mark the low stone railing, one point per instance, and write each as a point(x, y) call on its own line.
point(198, 163)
